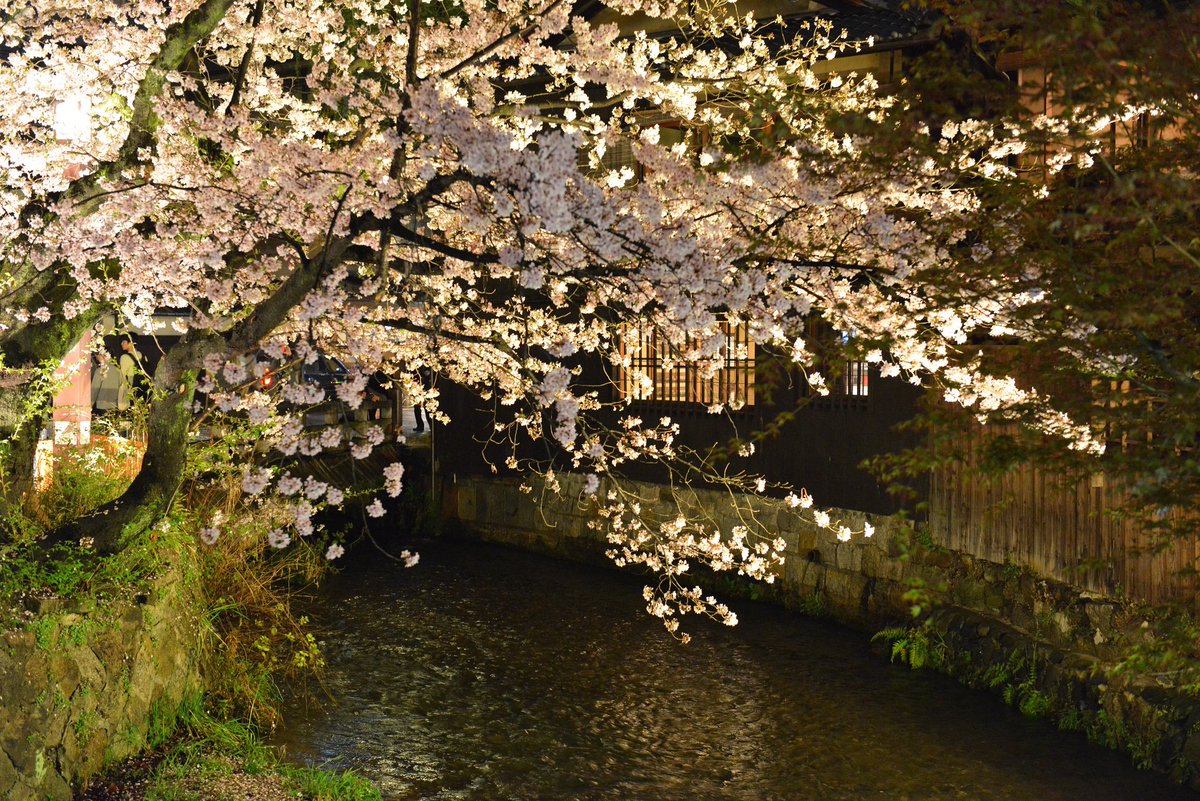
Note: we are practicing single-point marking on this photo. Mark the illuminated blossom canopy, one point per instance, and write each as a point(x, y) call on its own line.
point(433, 186)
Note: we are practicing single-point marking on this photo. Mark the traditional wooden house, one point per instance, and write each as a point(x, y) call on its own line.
point(1058, 528)
point(801, 438)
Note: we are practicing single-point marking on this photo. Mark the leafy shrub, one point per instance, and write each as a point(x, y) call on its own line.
point(918, 646)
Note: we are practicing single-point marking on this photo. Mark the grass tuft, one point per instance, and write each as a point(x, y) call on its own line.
point(208, 756)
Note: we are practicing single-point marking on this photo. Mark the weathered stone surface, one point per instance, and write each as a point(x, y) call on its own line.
point(802, 577)
point(876, 562)
point(465, 508)
point(844, 589)
point(73, 695)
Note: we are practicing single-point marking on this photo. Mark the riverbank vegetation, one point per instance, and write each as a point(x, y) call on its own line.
point(517, 201)
point(193, 755)
point(247, 641)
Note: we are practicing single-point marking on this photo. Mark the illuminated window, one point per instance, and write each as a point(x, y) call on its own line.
point(850, 381)
point(652, 369)
point(618, 155)
point(854, 380)
point(1129, 413)
point(1143, 130)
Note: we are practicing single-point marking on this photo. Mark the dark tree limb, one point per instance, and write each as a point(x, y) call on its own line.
point(23, 409)
point(35, 343)
point(149, 497)
point(244, 67)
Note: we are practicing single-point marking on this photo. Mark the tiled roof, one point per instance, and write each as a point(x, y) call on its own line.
point(889, 28)
point(886, 25)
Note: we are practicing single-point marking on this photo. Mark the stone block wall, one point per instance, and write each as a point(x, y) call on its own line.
point(80, 689)
point(1049, 648)
point(860, 582)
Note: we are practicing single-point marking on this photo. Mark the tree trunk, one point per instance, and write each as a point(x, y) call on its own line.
point(20, 427)
point(149, 497)
point(114, 524)
point(25, 404)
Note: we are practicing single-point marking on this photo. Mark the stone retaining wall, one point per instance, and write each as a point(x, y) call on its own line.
point(80, 690)
point(1046, 647)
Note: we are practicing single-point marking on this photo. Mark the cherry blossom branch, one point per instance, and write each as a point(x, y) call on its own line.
point(414, 34)
point(408, 325)
point(440, 247)
point(180, 39)
point(244, 66)
point(513, 33)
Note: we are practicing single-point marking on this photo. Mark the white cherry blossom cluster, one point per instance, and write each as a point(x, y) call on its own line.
point(443, 197)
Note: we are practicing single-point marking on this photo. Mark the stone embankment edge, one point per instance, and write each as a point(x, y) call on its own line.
point(1045, 646)
point(79, 690)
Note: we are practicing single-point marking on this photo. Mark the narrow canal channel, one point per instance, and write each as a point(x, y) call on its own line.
point(486, 674)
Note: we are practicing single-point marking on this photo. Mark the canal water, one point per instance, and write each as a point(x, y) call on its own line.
point(486, 674)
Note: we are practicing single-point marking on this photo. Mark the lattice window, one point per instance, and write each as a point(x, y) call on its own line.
point(619, 154)
point(1143, 130)
point(652, 369)
point(1129, 408)
point(854, 380)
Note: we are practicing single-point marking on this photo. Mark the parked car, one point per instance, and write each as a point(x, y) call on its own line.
point(326, 372)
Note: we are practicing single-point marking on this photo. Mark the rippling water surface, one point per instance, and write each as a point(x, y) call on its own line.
point(486, 674)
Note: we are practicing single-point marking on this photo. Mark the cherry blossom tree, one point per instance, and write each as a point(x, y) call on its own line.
point(426, 185)
point(1090, 226)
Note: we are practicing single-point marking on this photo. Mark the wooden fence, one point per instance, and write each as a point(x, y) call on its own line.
point(1063, 530)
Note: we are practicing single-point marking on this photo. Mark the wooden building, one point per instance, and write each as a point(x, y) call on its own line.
point(815, 442)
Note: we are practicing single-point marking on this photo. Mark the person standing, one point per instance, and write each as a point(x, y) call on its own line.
point(130, 365)
point(106, 382)
point(425, 376)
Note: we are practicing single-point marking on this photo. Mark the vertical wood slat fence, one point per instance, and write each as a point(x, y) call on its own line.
point(1058, 529)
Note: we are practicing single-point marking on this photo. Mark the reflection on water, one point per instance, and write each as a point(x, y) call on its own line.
point(487, 674)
